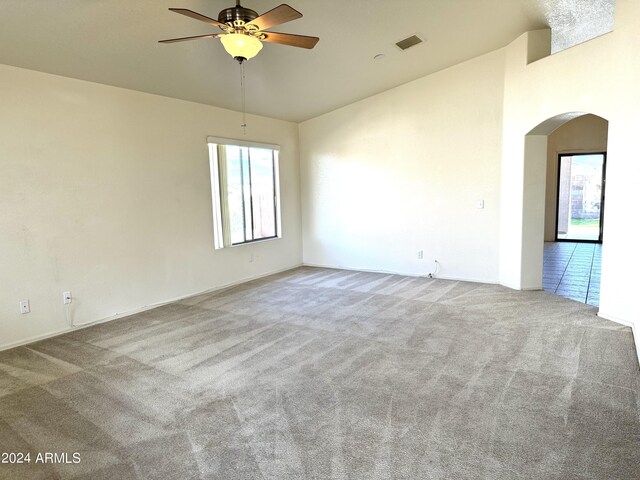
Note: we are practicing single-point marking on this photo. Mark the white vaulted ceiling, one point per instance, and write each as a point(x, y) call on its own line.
point(115, 42)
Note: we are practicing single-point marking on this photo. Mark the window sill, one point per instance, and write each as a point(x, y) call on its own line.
point(253, 242)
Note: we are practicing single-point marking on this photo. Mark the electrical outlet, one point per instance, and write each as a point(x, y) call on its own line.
point(66, 298)
point(420, 254)
point(24, 306)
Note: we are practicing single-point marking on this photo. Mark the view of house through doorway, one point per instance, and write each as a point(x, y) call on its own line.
point(580, 199)
point(575, 208)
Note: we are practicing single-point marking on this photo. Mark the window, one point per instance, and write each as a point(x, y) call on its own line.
point(245, 190)
point(580, 199)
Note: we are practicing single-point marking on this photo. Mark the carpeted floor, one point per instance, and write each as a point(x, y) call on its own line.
point(329, 374)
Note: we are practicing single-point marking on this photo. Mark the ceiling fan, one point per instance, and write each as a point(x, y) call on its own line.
point(245, 30)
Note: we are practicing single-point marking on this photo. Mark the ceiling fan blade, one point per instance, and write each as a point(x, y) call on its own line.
point(289, 39)
point(173, 40)
point(277, 16)
point(198, 16)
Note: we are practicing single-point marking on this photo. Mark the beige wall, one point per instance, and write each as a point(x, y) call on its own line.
point(106, 192)
point(599, 77)
point(400, 171)
point(584, 134)
point(403, 171)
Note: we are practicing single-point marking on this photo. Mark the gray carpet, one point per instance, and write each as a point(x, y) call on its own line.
point(329, 374)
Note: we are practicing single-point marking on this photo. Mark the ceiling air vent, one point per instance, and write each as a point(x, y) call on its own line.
point(409, 42)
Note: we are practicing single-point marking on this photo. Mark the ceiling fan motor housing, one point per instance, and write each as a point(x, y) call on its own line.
point(237, 16)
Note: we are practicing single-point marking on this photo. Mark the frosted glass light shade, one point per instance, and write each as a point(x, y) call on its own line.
point(240, 45)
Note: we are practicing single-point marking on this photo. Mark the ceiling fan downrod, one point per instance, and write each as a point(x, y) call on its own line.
point(237, 16)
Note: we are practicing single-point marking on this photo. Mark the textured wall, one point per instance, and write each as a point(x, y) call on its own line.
point(403, 171)
point(599, 77)
point(106, 192)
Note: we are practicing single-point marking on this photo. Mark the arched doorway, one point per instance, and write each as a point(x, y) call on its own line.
point(559, 140)
point(575, 207)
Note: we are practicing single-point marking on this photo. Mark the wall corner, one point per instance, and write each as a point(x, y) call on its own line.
point(538, 45)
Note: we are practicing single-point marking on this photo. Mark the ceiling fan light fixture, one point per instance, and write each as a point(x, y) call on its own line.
point(241, 46)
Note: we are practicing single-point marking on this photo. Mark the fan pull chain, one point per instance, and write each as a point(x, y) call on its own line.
point(244, 109)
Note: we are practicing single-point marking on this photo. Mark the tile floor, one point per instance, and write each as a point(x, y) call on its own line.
point(572, 270)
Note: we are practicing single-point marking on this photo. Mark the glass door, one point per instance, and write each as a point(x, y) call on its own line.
point(580, 204)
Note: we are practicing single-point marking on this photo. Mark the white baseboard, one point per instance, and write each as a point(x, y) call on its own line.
point(614, 318)
point(144, 308)
point(509, 285)
point(404, 274)
point(626, 323)
point(35, 338)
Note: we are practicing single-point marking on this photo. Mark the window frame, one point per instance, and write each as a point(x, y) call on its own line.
point(560, 156)
point(216, 190)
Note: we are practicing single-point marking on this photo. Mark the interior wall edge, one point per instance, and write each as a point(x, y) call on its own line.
point(141, 309)
point(626, 323)
point(402, 273)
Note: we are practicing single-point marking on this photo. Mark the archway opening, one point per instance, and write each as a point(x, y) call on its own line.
point(563, 209)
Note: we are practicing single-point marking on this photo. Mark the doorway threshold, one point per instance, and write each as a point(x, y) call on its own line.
point(572, 270)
